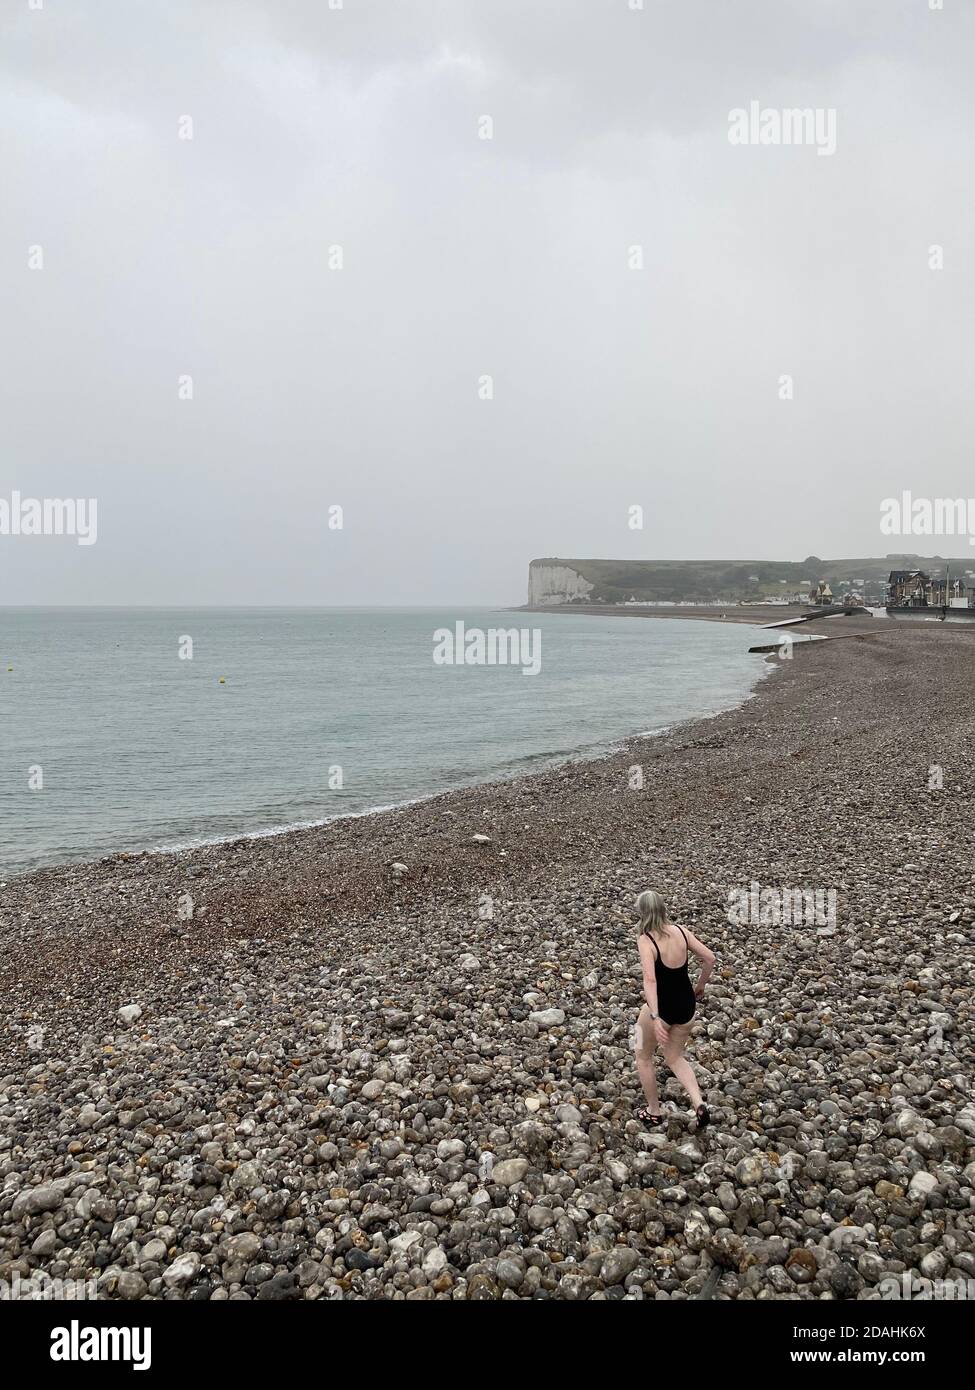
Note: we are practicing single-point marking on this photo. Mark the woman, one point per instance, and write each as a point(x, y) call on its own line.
point(671, 1001)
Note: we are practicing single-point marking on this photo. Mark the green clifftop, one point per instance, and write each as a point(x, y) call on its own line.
point(554, 580)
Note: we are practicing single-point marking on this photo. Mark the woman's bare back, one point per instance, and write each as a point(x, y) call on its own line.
point(672, 946)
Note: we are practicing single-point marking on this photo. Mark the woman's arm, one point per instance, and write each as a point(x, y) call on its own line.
point(650, 989)
point(707, 959)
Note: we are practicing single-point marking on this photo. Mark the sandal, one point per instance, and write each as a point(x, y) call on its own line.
point(646, 1117)
point(703, 1116)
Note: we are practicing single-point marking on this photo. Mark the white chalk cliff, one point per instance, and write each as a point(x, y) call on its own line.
point(555, 584)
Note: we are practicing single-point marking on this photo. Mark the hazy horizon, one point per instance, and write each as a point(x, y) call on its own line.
point(293, 212)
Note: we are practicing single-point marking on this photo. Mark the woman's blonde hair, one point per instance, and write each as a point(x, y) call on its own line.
point(652, 910)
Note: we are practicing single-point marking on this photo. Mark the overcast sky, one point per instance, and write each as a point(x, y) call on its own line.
point(464, 257)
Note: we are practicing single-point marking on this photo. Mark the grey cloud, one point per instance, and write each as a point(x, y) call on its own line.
point(465, 257)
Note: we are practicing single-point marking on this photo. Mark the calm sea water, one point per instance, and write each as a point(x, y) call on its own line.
point(140, 749)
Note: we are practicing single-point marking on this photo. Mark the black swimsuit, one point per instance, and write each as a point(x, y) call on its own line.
point(675, 994)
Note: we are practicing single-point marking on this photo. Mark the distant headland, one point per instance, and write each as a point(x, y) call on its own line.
point(554, 581)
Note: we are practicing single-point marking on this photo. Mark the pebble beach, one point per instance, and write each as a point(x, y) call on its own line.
point(391, 1058)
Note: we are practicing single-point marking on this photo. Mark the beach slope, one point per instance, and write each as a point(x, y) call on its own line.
point(391, 1057)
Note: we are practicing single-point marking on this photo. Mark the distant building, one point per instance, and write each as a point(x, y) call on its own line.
point(917, 589)
point(908, 589)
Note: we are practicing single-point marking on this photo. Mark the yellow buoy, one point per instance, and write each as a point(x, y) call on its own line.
point(223, 681)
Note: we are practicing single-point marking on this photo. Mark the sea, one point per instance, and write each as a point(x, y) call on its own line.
point(156, 729)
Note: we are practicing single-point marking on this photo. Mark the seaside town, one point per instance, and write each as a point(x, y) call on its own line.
point(904, 589)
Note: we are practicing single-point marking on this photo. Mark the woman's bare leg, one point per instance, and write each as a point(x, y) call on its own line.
point(644, 1043)
point(678, 1063)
